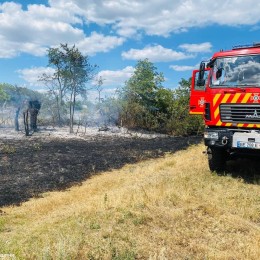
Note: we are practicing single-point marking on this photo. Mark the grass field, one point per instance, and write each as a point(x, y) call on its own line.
point(166, 208)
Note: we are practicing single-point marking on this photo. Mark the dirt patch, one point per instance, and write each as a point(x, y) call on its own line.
point(33, 165)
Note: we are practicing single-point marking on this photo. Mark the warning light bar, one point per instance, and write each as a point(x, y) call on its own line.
point(243, 46)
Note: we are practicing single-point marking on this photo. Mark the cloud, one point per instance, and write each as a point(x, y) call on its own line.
point(155, 54)
point(36, 27)
point(31, 75)
point(39, 27)
point(182, 68)
point(162, 17)
point(196, 48)
point(99, 43)
point(116, 77)
point(33, 30)
point(111, 78)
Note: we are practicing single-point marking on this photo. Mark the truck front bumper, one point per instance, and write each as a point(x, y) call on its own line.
point(232, 138)
point(216, 137)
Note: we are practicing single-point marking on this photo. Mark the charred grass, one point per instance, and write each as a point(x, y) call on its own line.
point(37, 164)
point(166, 208)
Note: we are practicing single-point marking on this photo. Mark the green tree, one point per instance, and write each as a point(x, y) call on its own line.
point(139, 96)
point(3, 94)
point(56, 82)
point(180, 122)
point(145, 82)
point(72, 71)
point(147, 104)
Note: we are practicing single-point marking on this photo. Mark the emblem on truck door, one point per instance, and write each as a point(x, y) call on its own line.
point(201, 102)
point(255, 115)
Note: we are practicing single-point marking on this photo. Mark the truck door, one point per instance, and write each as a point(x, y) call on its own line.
point(198, 94)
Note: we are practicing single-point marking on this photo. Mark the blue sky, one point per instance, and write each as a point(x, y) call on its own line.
point(174, 35)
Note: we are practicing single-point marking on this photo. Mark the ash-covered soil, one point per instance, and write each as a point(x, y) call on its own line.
point(48, 161)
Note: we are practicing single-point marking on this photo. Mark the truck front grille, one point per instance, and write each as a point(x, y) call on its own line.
point(240, 113)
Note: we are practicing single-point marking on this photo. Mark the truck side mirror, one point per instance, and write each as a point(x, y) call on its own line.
point(201, 80)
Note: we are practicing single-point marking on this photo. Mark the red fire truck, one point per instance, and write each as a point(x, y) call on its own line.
point(226, 91)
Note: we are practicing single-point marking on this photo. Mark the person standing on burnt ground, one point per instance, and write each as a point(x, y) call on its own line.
point(32, 113)
point(34, 107)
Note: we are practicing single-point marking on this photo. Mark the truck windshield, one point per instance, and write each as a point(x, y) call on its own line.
point(236, 71)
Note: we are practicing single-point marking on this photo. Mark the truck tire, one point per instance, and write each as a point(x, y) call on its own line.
point(216, 159)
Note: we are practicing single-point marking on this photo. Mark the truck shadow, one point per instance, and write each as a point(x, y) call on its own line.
point(246, 169)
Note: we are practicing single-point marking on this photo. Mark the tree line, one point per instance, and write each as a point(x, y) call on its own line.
point(142, 103)
point(146, 104)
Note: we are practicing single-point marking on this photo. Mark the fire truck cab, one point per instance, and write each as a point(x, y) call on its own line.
point(226, 92)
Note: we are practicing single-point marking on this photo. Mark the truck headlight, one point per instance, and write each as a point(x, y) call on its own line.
point(211, 135)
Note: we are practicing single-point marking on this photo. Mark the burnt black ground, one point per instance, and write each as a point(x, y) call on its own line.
point(31, 166)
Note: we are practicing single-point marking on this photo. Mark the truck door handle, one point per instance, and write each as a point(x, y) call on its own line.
point(230, 91)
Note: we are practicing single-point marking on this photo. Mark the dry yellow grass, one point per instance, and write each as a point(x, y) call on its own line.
point(168, 208)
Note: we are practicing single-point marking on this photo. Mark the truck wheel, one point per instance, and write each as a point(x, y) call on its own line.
point(216, 159)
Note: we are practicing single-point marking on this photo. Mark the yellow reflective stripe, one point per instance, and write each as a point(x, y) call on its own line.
point(246, 97)
point(235, 98)
point(216, 112)
point(216, 98)
point(196, 113)
point(224, 100)
point(228, 124)
point(219, 123)
point(250, 125)
point(240, 125)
